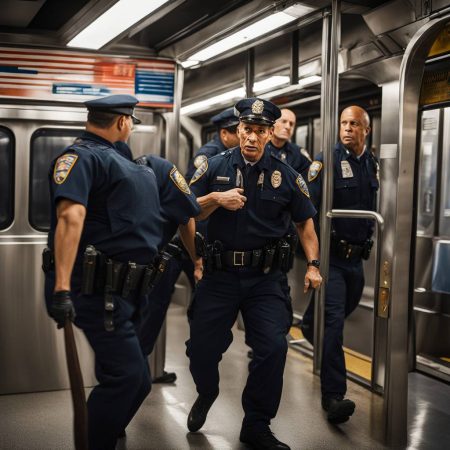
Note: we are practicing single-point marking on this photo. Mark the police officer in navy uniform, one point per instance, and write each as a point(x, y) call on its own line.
point(355, 187)
point(226, 123)
point(250, 198)
point(178, 207)
point(100, 216)
point(281, 146)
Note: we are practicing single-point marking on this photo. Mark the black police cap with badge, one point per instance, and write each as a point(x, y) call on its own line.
point(225, 119)
point(257, 111)
point(115, 104)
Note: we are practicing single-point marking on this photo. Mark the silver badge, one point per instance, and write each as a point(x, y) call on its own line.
point(258, 107)
point(276, 179)
point(346, 170)
point(260, 179)
point(239, 178)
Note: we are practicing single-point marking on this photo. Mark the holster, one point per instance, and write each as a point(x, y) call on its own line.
point(48, 262)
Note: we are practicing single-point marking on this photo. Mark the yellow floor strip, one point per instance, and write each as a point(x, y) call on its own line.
point(444, 358)
point(355, 362)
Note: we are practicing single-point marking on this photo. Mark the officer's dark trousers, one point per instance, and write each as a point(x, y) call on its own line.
point(158, 302)
point(218, 298)
point(120, 366)
point(343, 293)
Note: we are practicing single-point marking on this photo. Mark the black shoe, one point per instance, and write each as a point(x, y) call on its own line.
point(199, 411)
point(339, 410)
point(166, 377)
point(261, 439)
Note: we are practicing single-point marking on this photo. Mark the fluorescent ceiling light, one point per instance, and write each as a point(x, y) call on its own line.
point(269, 83)
point(121, 16)
point(309, 80)
point(189, 63)
point(221, 98)
point(247, 34)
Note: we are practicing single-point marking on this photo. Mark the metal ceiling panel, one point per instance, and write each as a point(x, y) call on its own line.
point(390, 16)
point(19, 13)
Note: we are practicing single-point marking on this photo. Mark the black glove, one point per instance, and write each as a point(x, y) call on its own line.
point(62, 308)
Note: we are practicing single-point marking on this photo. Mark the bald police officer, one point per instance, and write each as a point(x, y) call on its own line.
point(104, 235)
point(250, 198)
point(281, 146)
point(355, 187)
point(226, 123)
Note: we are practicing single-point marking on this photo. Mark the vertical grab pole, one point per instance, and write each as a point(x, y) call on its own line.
point(329, 115)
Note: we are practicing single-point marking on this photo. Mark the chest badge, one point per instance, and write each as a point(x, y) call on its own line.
point(260, 179)
point(239, 178)
point(179, 181)
point(63, 166)
point(276, 179)
point(346, 169)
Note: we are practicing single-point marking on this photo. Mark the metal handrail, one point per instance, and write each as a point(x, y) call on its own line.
point(364, 214)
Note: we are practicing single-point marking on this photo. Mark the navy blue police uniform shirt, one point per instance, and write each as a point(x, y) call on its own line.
point(355, 187)
point(178, 203)
point(276, 194)
point(291, 154)
point(120, 221)
point(210, 149)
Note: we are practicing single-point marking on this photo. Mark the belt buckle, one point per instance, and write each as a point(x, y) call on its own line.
point(239, 255)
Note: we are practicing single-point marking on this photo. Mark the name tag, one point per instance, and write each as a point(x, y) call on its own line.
point(222, 180)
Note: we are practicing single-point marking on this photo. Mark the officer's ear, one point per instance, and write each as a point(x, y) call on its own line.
point(121, 122)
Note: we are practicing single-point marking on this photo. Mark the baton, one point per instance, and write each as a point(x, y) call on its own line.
point(77, 389)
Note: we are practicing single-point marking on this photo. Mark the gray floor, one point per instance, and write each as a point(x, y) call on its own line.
point(43, 420)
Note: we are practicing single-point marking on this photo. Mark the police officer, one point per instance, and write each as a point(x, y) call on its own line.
point(226, 123)
point(250, 198)
point(281, 146)
point(355, 187)
point(100, 216)
point(178, 207)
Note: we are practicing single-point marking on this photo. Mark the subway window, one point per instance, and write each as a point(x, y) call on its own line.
point(46, 144)
point(6, 178)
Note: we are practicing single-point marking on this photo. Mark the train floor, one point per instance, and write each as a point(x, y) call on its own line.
point(43, 420)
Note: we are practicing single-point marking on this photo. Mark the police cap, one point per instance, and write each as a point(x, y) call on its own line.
point(257, 111)
point(225, 119)
point(115, 104)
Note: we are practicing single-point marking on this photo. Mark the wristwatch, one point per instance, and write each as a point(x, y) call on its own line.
point(314, 262)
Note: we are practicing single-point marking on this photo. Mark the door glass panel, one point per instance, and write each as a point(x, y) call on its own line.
point(46, 145)
point(444, 220)
point(6, 178)
point(427, 173)
point(301, 136)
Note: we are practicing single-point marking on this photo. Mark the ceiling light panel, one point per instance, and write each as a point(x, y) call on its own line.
point(121, 16)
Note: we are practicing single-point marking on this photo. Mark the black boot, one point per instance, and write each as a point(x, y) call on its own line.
point(338, 410)
point(166, 377)
point(199, 411)
point(261, 439)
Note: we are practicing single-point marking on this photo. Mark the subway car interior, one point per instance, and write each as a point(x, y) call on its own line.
point(185, 61)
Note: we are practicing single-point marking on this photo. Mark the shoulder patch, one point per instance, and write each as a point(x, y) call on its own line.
point(179, 180)
point(301, 183)
point(63, 166)
point(199, 160)
point(201, 170)
point(314, 170)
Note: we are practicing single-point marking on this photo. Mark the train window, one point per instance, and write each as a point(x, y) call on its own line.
point(7, 178)
point(46, 145)
point(301, 136)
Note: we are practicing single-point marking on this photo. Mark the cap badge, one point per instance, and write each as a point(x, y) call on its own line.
point(257, 107)
point(276, 179)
